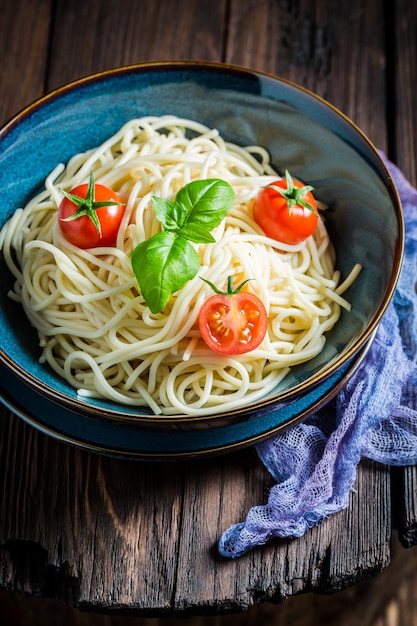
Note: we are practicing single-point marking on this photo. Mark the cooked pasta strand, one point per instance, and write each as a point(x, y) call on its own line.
point(95, 328)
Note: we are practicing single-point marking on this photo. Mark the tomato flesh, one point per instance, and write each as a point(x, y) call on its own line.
point(81, 231)
point(233, 324)
point(272, 213)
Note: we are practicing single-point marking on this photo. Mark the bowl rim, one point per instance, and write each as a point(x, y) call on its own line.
point(144, 443)
point(261, 405)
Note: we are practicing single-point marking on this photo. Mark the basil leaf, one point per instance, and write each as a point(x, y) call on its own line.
point(199, 207)
point(167, 261)
point(204, 203)
point(170, 214)
point(162, 265)
point(197, 233)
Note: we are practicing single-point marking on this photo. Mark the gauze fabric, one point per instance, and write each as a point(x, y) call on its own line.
point(314, 463)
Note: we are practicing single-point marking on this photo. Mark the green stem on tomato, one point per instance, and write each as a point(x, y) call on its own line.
point(230, 291)
point(87, 206)
point(294, 195)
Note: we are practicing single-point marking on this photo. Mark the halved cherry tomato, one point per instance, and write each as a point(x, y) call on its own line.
point(286, 210)
point(233, 322)
point(90, 215)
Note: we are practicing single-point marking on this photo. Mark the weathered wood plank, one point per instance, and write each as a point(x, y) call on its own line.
point(24, 43)
point(330, 557)
point(88, 531)
point(404, 148)
point(335, 49)
point(382, 601)
point(132, 32)
point(407, 506)
point(402, 94)
point(140, 520)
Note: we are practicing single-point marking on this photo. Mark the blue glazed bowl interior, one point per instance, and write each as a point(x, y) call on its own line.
point(302, 132)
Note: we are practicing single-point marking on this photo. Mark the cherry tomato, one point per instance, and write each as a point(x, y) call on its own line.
point(286, 210)
point(90, 215)
point(233, 322)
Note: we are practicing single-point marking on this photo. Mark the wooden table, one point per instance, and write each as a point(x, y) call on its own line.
point(106, 534)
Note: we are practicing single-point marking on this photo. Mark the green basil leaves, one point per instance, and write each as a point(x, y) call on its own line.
point(164, 263)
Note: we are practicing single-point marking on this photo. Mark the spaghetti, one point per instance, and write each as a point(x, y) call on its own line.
point(94, 327)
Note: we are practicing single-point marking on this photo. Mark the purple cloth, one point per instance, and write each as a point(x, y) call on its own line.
point(374, 416)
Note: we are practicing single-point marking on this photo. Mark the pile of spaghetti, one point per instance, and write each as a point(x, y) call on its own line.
point(94, 327)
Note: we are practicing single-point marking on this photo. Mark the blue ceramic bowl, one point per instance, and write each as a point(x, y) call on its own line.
point(314, 141)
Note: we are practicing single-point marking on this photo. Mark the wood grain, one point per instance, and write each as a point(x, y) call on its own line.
point(335, 49)
point(88, 532)
point(24, 47)
point(407, 506)
point(132, 32)
point(404, 154)
point(110, 535)
point(402, 95)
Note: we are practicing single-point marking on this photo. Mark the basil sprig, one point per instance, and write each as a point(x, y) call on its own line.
point(164, 263)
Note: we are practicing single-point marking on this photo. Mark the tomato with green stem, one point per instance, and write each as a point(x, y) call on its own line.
point(286, 210)
point(90, 215)
point(233, 322)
